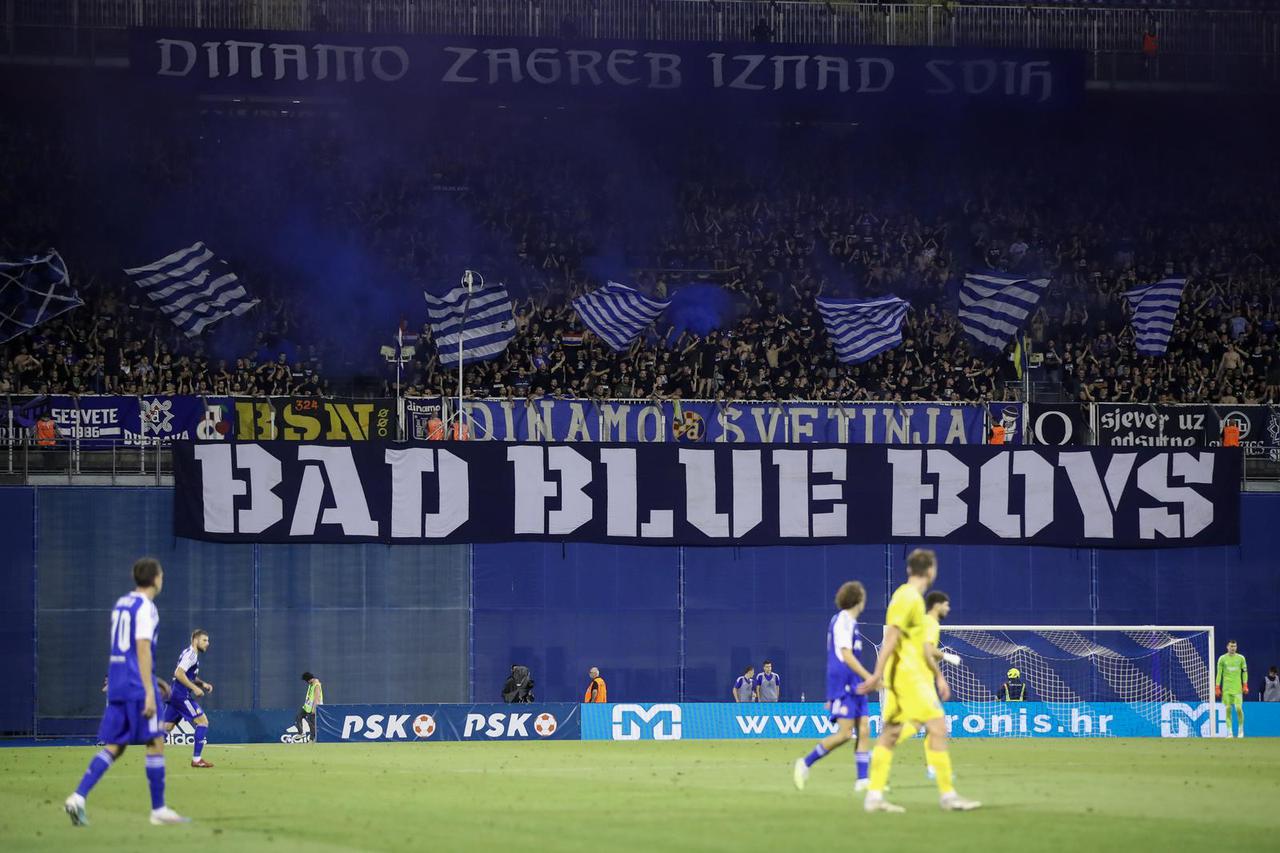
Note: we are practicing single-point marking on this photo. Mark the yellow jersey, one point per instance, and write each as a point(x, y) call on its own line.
point(907, 614)
point(932, 631)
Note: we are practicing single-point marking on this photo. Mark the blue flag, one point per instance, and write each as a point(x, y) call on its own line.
point(861, 329)
point(995, 306)
point(193, 288)
point(1154, 308)
point(481, 319)
point(617, 313)
point(32, 291)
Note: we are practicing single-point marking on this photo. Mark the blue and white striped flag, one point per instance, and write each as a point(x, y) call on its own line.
point(1154, 308)
point(617, 313)
point(861, 329)
point(32, 291)
point(193, 288)
point(995, 306)
point(482, 319)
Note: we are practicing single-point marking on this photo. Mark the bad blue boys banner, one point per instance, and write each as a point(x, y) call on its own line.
point(671, 494)
point(829, 78)
point(732, 423)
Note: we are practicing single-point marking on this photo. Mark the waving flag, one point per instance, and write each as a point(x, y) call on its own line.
point(481, 319)
point(1154, 308)
point(617, 313)
point(32, 291)
point(193, 288)
point(995, 306)
point(861, 329)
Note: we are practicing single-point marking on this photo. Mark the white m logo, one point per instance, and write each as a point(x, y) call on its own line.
point(631, 721)
point(1178, 719)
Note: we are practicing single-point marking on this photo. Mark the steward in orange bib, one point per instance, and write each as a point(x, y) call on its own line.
point(596, 691)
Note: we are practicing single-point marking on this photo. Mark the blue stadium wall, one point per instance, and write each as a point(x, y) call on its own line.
point(439, 623)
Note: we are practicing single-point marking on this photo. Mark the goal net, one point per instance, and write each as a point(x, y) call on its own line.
point(1082, 681)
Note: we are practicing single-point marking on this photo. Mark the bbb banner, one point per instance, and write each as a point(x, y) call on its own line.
point(698, 422)
point(829, 79)
point(670, 494)
point(428, 723)
point(810, 721)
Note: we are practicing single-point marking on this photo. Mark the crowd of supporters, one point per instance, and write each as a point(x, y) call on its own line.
point(338, 231)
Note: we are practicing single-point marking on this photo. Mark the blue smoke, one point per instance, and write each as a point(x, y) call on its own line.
point(702, 309)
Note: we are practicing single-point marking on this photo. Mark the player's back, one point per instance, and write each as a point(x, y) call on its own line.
point(133, 614)
point(906, 612)
point(842, 632)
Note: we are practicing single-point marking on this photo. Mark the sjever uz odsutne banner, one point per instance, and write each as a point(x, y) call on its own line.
point(664, 494)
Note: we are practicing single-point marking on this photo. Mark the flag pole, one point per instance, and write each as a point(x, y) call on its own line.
point(468, 281)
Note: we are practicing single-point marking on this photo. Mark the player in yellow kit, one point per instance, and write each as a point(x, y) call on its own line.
point(914, 689)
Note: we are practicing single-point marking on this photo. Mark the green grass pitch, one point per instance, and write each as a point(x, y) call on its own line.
point(1079, 795)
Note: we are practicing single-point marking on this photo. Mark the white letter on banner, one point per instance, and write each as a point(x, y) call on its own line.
point(376, 63)
point(664, 71)
point(532, 488)
point(265, 506)
point(350, 510)
point(834, 522)
point(543, 65)
point(864, 74)
point(937, 69)
point(1037, 74)
point(830, 67)
point(620, 490)
point(452, 75)
point(233, 57)
point(407, 467)
point(1098, 499)
point(283, 54)
point(1197, 513)
point(910, 491)
point(700, 492)
point(793, 492)
point(619, 58)
point(584, 62)
point(575, 504)
point(993, 494)
point(166, 57)
point(218, 487)
point(340, 53)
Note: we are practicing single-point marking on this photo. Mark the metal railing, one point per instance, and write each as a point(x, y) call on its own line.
point(1240, 48)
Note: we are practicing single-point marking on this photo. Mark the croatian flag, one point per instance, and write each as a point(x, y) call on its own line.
point(861, 329)
point(482, 319)
point(617, 313)
point(995, 306)
point(193, 288)
point(1154, 308)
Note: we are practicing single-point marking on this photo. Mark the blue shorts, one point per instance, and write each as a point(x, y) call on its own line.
point(183, 709)
point(123, 724)
point(849, 706)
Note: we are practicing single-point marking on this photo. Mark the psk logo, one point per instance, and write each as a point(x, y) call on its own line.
point(157, 417)
point(424, 725)
point(545, 725)
point(689, 427)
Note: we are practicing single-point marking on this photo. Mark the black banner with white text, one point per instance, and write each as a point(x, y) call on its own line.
point(665, 494)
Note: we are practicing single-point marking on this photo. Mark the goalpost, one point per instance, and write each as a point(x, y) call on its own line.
point(1153, 669)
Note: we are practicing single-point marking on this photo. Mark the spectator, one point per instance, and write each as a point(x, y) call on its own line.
point(768, 684)
point(597, 691)
point(744, 689)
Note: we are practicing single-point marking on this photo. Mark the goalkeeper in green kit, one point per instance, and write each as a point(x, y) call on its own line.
point(1233, 686)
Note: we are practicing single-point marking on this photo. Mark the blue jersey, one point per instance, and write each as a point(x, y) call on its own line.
point(134, 618)
point(842, 633)
point(189, 663)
